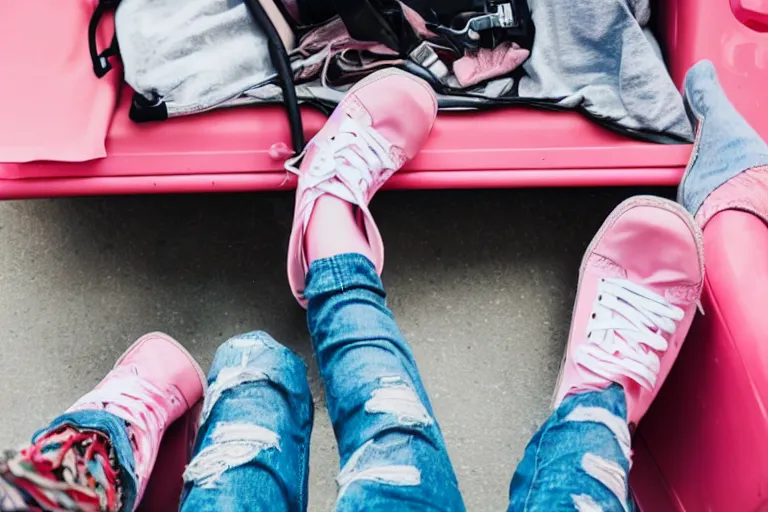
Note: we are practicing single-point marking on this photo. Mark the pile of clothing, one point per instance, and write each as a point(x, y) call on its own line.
point(594, 56)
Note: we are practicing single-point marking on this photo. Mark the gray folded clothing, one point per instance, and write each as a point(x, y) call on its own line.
point(594, 54)
point(190, 56)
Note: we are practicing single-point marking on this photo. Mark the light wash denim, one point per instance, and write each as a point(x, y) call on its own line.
point(725, 145)
point(252, 448)
point(579, 459)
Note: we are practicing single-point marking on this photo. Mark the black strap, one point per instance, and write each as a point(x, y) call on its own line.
point(100, 61)
point(382, 21)
point(282, 64)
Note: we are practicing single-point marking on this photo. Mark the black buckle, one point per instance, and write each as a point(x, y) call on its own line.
point(101, 66)
point(426, 57)
point(501, 20)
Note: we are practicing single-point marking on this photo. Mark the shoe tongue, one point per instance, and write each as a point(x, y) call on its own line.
point(344, 184)
point(133, 399)
point(339, 189)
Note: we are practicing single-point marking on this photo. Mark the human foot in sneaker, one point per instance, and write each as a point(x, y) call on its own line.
point(639, 286)
point(152, 384)
point(382, 122)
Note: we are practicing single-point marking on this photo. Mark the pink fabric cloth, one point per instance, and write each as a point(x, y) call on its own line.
point(334, 37)
point(52, 105)
point(484, 64)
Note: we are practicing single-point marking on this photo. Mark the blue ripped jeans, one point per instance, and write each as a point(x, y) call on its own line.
point(253, 446)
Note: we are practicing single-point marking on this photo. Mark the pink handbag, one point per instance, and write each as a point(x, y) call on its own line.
point(53, 106)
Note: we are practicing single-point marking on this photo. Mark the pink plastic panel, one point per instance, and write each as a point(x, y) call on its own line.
point(708, 29)
point(707, 433)
point(752, 13)
point(239, 141)
point(230, 150)
point(650, 490)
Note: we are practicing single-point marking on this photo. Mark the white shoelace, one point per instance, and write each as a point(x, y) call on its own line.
point(139, 403)
point(356, 155)
point(625, 332)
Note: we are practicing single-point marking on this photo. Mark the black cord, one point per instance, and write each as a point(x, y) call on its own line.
point(101, 64)
point(279, 56)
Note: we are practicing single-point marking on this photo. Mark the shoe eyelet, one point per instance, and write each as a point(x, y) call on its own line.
point(594, 315)
point(599, 298)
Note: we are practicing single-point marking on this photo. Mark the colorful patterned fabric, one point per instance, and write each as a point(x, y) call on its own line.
point(68, 469)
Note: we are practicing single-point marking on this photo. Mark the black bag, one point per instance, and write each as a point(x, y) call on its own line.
point(458, 25)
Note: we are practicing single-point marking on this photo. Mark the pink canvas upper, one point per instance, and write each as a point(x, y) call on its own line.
point(150, 387)
point(487, 63)
point(639, 286)
point(382, 122)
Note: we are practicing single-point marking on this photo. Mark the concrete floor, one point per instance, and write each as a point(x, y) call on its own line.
point(481, 282)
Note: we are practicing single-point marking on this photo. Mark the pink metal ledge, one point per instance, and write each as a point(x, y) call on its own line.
point(243, 182)
point(230, 150)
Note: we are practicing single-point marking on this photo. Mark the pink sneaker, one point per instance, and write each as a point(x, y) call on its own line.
point(152, 384)
point(381, 123)
point(639, 285)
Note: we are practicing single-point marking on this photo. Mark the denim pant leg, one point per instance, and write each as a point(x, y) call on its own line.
point(725, 145)
point(252, 450)
point(392, 452)
point(579, 459)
